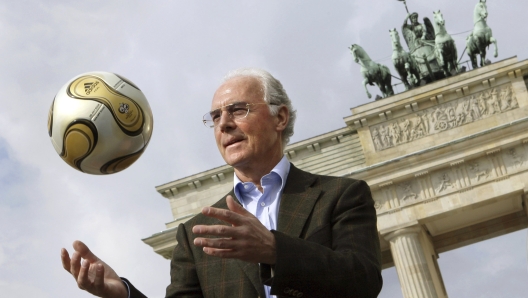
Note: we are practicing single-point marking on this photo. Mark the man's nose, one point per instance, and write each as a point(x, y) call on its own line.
point(226, 121)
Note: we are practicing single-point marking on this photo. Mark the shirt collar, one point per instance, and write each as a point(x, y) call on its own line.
point(282, 169)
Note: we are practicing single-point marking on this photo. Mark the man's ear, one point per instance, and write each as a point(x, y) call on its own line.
point(283, 117)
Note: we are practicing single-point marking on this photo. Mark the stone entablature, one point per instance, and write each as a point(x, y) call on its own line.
point(410, 121)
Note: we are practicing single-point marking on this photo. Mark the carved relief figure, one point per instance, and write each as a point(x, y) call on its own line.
point(407, 191)
point(475, 109)
point(516, 158)
point(425, 120)
point(483, 107)
point(461, 118)
point(493, 102)
point(445, 182)
point(474, 167)
point(407, 124)
point(513, 98)
point(377, 205)
point(507, 99)
point(451, 117)
point(397, 133)
point(383, 137)
point(377, 139)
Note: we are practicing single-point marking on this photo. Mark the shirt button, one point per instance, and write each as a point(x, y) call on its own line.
point(262, 204)
point(246, 186)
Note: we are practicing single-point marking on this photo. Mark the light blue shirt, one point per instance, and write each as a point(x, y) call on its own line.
point(264, 205)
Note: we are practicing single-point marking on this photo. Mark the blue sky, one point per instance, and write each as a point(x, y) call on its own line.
point(177, 53)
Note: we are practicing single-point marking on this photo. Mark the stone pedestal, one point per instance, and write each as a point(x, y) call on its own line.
point(415, 262)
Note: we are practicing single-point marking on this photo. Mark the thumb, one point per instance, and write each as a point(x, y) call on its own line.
point(84, 251)
point(236, 207)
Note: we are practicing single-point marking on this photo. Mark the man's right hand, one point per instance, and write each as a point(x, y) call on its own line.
point(93, 275)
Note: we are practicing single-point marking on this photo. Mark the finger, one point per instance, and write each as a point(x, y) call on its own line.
point(82, 280)
point(223, 215)
point(84, 251)
point(235, 207)
point(221, 243)
point(216, 230)
point(222, 253)
point(99, 277)
point(65, 259)
point(75, 264)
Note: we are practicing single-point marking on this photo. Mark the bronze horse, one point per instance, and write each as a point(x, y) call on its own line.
point(481, 37)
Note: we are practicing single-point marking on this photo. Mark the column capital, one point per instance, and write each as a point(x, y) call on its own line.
point(414, 229)
point(387, 232)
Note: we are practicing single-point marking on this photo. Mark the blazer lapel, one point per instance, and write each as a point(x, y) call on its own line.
point(297, 202)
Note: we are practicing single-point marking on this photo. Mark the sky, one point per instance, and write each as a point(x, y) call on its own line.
point(177, 53)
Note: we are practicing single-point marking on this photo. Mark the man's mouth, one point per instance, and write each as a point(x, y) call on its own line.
point(232, 141)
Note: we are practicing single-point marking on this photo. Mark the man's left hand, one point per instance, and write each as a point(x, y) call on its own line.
point(246, 239)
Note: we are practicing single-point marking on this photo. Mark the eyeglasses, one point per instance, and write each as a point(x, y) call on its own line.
point(236, 111)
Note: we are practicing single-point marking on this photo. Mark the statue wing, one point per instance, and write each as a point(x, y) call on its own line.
point(429, 29)
point(409, 37)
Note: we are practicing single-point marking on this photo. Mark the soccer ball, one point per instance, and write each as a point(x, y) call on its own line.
point(100, 123)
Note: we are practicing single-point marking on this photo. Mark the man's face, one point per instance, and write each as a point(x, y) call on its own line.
point(254, 139)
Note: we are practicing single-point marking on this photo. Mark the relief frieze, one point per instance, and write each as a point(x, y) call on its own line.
point(444, 117)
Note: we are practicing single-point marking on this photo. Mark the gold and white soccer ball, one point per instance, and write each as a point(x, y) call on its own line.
point(100, 123)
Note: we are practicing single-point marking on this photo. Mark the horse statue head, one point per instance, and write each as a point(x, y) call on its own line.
point(480, 14)
point(358, 53)
point(395, 38)
point(438, 18)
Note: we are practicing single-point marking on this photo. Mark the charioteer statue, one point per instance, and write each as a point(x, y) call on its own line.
point(420, 39)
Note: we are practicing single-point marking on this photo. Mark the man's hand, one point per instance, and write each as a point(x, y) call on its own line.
point(246, 239)
point(93, 275)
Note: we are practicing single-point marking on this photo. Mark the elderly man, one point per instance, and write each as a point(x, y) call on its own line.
point(280, 232)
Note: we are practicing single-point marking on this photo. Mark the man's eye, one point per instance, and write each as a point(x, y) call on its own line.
point(239, 111)
point(215, 116)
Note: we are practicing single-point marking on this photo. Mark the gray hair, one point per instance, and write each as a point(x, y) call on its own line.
point(273, 93)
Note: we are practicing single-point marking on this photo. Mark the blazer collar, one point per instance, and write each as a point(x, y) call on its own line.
point(297, 202)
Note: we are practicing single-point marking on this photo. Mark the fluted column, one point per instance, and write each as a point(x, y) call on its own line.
point(412, 265)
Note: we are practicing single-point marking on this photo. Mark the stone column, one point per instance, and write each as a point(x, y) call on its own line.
point(415, 263)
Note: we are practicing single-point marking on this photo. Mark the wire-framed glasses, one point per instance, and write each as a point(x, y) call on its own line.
point(237, 110)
